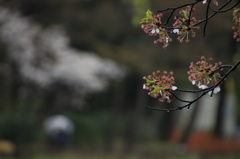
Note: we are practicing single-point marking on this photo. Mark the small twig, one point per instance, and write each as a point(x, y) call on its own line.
point(193, 91)
point(190, 14)
point(213, 14)
point(173, 9)
point(223, 11)
point(206, 22)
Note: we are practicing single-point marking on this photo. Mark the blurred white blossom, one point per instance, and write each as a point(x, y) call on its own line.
point(45, 57)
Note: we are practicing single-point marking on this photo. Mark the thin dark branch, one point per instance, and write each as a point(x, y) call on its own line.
point(223, 66)
point(213, 14)
point(194, 91)
point(223, 11)
point(166, 109)
point(206, 22)
point(181, 100)
point(227, 74)
point(207, 17)
point(181, 6)
point(173, 9)
point(190, 14)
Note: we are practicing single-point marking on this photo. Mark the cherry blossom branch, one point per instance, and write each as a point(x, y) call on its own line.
point(176, 8)
point(205, 75)
point(207, 12)
point(215, 12)
point(207, 90)
point(186, 24)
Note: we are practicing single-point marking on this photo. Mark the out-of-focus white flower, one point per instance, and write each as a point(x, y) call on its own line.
point(216, 90)
point(202, 86)
point(193, 82)
point(174, 88)
point(166, 39)
point(155, 31)
point(144, 86)
point(160, 91)
point(176, 31)
point(204, 2)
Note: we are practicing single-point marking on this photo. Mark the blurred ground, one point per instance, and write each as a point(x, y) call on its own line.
point(142, 151)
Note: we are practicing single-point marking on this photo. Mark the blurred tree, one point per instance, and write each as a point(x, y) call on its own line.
point(138, 7)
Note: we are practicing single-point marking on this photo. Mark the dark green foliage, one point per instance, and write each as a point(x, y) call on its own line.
point(19, 125)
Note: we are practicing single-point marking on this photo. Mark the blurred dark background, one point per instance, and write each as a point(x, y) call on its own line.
point(84, 60)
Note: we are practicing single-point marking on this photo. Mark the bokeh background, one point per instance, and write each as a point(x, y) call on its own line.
point(71, 84)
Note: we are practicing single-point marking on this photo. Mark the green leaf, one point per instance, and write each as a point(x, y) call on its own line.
point(156, 89)
point(143, 21)
point(185, 13)
point(148, 80)
point(147, 18)
point(149, 14)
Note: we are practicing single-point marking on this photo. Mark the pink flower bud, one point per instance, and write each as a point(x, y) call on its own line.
point(202, 58)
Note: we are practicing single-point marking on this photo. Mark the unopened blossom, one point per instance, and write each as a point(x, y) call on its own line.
point(236, 27)
point(185, 26)
point(152, 26)
point(204, 74)
point(160, 85)
point(215, 2)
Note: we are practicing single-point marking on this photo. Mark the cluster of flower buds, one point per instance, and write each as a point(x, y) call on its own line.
point(236, 27)
point(185, 24)
point(204, 74)
point(160, 85)
point(152, 25)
